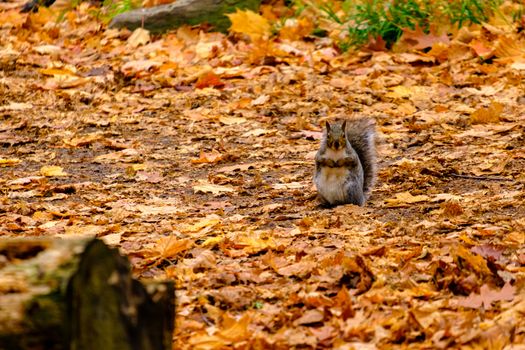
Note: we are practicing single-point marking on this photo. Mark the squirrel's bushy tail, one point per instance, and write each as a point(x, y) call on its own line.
point(361, 133)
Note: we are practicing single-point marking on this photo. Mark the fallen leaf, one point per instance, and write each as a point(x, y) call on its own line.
point(227, 120)
point(205, 187)
point(9, 162)
point(487, 296)
point(52, 170)
point(169, 247)
point(471, 261)
point(406, 198)
point(209, 79)
point(309, 317)
point(139, 37)
point(484, 115)
point(417, 39)
point(158, 210)
point(260, 100)
point(249, 23)
point(288, 186)
point(300, 269)
point(208, 157)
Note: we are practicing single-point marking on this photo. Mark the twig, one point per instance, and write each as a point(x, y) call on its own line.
point(488, 178)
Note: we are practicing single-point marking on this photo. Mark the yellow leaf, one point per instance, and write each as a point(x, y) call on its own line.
point(406, 198)
point(399, 91)
point(212, 241)
point(52, 170)
point(9, 162)
point(249, 23)
point(208, 221)
point(169, 247)
point(253, 245)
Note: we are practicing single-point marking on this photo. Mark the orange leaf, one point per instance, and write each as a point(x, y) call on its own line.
point(208, 157)
point(13, 18)
point(484, 115)
point(481, 48)
point(208, 79)
point(475, 262)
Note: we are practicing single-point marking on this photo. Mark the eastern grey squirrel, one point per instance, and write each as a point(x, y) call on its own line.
point(345, 165)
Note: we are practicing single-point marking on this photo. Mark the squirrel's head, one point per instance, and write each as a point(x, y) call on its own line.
point(336, 136)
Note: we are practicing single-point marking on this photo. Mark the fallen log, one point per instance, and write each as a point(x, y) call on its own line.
point(161, 18)
point(78, 294)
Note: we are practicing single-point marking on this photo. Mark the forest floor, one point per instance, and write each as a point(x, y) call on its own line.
point(193, 154)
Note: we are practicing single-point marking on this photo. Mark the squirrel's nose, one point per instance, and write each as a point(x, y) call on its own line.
point(336, 144)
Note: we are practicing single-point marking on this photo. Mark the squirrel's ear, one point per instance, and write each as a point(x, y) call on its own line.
point(343, 126)
point(327, 126)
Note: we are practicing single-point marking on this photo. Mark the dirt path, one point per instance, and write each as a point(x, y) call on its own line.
point(212, 187)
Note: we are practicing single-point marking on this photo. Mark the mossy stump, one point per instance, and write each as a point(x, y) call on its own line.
point(78, 294)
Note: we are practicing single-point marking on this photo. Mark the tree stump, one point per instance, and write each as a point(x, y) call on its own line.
point(78, 294)
point(191, 12)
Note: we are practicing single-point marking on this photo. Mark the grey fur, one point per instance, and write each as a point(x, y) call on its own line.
point(348, 175)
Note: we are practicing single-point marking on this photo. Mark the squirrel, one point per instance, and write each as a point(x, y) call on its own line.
point(345, 165)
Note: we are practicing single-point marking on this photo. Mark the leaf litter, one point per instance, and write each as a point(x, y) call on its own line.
point(193, 153)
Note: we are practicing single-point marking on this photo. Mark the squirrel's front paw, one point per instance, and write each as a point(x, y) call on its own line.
point(347, 162)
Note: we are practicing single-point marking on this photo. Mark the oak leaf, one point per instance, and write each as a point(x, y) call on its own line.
point(487, 296)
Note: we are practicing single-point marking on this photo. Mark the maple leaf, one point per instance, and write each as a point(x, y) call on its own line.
point(170, 247)
point(249, 23)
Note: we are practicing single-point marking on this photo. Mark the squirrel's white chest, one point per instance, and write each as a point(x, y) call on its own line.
point(330, 183)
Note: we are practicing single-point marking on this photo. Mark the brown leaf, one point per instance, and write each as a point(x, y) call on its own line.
point(309, 317)
point(300, 269)
point(343, 302)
